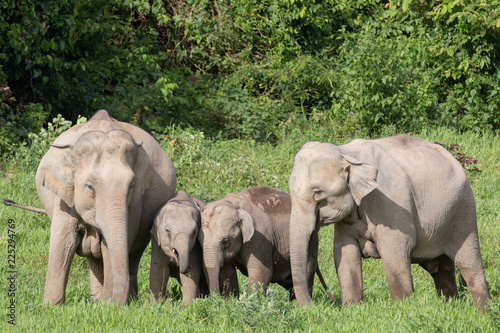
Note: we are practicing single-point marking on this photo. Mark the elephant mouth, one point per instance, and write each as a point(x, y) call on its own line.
point(175, 256)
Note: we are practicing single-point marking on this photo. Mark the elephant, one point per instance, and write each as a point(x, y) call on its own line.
point(249, 230)
point(101, 183)
point(175, 249)
point(402, 199)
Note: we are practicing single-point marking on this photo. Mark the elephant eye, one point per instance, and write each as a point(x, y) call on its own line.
point(225, 242)
point(167, 230)
point(89, 188)
point(317, 194)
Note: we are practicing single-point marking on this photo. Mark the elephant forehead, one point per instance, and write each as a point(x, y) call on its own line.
point(94, 142)
point(325, 171)
point(175, 215)
point(218, 213)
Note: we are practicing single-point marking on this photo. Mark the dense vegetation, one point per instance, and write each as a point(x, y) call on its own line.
point(240, 68)
point(231, 90)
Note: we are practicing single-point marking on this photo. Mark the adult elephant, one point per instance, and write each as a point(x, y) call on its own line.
point(399, 198)
point(101, 184)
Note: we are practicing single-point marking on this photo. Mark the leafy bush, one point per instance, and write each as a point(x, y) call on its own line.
point(241, 69)
point(17, 121)
point(28, 155)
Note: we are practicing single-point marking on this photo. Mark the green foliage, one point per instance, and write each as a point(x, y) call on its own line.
point(383, 75)
point(469, 62)
point(403, 71)
point(53, 48)
point(17, 121)
point(240, 69)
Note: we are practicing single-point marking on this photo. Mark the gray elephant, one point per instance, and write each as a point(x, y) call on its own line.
point(101, 184)
point(401, 199)
point(175, 249)
point(249, 230)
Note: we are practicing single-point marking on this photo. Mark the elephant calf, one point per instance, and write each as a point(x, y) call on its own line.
point(250, 230)
point(175, 250)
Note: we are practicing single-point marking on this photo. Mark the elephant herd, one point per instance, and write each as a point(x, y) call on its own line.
point(109, 188)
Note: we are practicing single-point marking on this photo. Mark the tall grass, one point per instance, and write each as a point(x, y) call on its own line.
point(210, 168)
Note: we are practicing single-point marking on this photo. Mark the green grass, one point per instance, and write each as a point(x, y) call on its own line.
point(209, 169)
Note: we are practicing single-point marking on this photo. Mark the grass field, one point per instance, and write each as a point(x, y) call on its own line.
point(209, 169)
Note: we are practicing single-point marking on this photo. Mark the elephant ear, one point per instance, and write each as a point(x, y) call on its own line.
point(247, 225)
point(362, 178)
point(143, 174)
point(57, 174)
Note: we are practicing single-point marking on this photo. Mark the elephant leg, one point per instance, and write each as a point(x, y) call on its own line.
point(442, 271)
point(228, 281)
point(96, 277)
point(159, 272)
point(394, 247)
point(469, 262)
point(399, 279)
point(347, 257)
point(134, 260)
point(398, 274)
point(63, 244)
point(260, 271)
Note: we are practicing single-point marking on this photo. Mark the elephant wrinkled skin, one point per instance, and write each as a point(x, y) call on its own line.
point(175, 249)
point(401, 199)
point(101, 184)
point(250, 230)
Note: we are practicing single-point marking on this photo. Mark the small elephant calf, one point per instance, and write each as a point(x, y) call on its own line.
point(175, 250)
point(249, 230)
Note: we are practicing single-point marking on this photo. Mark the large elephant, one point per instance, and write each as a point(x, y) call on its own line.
point(401, 199)
point(101, 184)
point(175, 249)
point(249, 230)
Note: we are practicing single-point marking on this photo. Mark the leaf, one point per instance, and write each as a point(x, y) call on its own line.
point(406, 3)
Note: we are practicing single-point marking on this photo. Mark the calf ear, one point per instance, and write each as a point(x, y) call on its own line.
point(362, 178)
point(246, 224)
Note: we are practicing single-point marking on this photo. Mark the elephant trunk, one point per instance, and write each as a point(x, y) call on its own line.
point(212, 261)
point(302, 225)
point(181, 249)
point(113, 223)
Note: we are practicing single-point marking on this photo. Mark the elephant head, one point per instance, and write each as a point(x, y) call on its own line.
point(224, 229)
point(176, 227)
point(326, 186)
point(100, 174)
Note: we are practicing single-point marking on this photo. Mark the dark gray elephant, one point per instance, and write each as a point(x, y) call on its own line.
point(249, 230)
point(401, 199)
point(101, 184)
point(175, 249)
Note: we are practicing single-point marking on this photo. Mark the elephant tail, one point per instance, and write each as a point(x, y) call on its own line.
point(9, 202)
point(330, 296)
